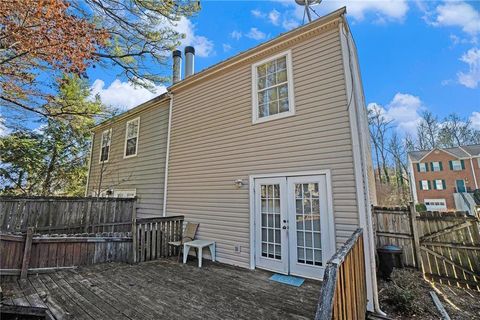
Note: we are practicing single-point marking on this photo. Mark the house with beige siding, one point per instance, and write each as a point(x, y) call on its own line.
point(268, 151)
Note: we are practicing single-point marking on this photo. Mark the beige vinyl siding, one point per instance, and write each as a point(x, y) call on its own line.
point(213, 143)
point(144, 172)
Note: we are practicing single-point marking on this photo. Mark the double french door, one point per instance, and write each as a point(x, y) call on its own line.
point(292, 222)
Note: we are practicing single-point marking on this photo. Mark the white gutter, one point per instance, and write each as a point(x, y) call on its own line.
point(167, 156)
point(89, 164)
point(360, 162)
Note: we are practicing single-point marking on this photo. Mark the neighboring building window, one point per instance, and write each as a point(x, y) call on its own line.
point(105, 145)
point(131, 137)
point(436, 166)
point(435, 204)
point(439, 184)
point(457, 165)
point(422, 167)
point(424, 184)
point(124, 193)
point(272, 88)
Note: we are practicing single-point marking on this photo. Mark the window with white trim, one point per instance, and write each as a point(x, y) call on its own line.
point(424, 185)
point(422, 166)
point(131, 137)
point(456, 165)
point(439, 184)
point(436, 166)
point(272, 88)
point(105, 145)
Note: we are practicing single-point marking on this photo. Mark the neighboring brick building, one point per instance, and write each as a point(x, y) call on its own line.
point(440, 175)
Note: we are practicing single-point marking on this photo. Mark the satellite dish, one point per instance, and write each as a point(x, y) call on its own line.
point(308, 9)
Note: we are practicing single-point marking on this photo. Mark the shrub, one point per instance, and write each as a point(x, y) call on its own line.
point(420, 207)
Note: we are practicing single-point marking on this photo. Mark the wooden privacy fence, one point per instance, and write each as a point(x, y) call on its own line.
point(394, 226)
point(68, 215)
point(344, 289)
point(445, 246)
point(152, 236)
point(450, 248)
point(22, 254)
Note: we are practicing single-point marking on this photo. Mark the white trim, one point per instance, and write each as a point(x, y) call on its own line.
point(412, 181)
point(167, 156)
point(440, 149)
point(126, 136)
point(473, 171)
point(291, 100)
point(251, 181)
point(355, 94)
point(117, 191)
point(89, 163)
point(101, 147)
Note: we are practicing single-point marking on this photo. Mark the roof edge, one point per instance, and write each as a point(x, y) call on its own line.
point(259, 48)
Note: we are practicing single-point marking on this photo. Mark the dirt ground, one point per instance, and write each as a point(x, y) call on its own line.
point(407, 296)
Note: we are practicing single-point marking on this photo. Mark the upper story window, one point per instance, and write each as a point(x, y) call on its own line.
point(436, 166)
point(457, 165)
point(131, 137)
point(424, 184)
point(272, 88)
point(105, 145)
point(422, 167)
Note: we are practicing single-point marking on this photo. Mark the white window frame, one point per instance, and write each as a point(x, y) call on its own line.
point(101, 146)
point(436, 169)
point(436, 203)
point(424, 166)
point(291, 100)
point(425, 185)
point(436, 181)
point(116, 192)
point(126, 137)
point(459, 163)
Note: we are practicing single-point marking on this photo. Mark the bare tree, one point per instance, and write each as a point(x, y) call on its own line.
point(427, 131)
point(379, 127)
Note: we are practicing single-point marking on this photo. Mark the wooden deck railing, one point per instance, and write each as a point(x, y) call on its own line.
point(152, 235)
point(344, 293)
point(29, 253)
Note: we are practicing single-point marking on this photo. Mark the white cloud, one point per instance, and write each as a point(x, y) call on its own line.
point(385, 10)
point(289, 24)
point(256, 34)
point(475, 120)
point(471, 78)
point(274, 17)
point(235, 34)
point(458, 14)
point(403, 111)
point(257, 13)
point(203, 46)
point(123, 95)
point(226, 47)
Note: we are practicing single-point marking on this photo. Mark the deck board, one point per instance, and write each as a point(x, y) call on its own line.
point(165, 289)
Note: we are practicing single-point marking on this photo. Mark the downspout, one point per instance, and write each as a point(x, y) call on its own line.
point(167, 155)
point(89, 164)
point(367, 212)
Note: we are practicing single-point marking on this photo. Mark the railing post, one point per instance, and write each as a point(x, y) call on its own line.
point(134, 232)
point(26, 254)
point(416, 239)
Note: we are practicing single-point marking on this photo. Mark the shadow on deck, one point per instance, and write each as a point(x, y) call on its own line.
point(164, 289)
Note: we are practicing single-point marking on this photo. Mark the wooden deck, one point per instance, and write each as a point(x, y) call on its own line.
point(164, 289)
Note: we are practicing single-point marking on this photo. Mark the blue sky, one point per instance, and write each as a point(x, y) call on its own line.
point(414, 55)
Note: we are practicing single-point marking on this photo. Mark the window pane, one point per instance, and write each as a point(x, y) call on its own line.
point(282, 76)
point(273, 108)
point(262, 111)
point(262, 82)
point(131, 146)
point(270, 67)
point(271, 80)
point(272, 94)
point(281, 63)
point(262, 70)
point(283, 91)
point(283, 105)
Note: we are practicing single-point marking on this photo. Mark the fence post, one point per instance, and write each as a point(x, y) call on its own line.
point(87, 215)
point(416, 239)
point(134, 232)
point(26, 254)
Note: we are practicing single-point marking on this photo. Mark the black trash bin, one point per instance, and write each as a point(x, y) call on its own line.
point(389, 256)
